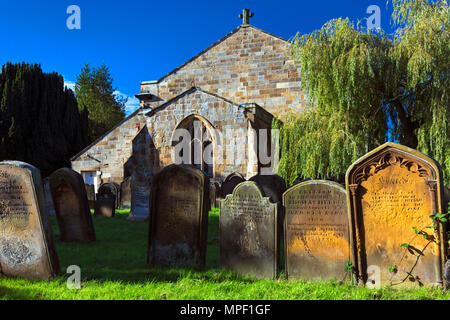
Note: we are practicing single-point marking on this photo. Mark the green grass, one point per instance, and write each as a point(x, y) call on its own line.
point(114, 267)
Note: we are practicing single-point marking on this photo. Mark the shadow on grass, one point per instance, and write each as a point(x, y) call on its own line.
point(119, 254)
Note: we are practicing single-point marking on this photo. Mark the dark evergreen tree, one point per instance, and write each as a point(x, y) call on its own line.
point(40, 122)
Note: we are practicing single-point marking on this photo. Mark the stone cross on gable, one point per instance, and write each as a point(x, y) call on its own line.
point(245, 16)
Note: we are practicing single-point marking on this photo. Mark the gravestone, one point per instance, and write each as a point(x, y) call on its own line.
point(140, 193)
point(316, 231)
point(48, 199)
point(273, 186)
point(230, 183)
point(105, 206)
point(90, 191)
point(125, 194)
point(26, 240)
point(213, 193)
point(249, 238)
point(109, 190)
point(179, 217)
point(390, 191)
point(71, 205)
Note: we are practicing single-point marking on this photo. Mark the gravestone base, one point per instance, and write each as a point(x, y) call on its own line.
point(139, 214)
point(105, 208)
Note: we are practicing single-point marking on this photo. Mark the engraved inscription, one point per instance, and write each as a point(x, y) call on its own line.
point(316, 230)
point(14, 204)
point(249, 241)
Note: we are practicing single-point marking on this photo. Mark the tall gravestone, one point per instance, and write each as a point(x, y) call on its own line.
point(390, 191)
point(72, 206)
point(141, 179)
point(90, 191)
point(26, 239)
point(230, 182)
point(249, 238)
point(316, 230)
point(125, 194)
point(179, 217)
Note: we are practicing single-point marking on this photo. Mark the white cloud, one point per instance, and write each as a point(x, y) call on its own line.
point(69, 84)
point(132, 103)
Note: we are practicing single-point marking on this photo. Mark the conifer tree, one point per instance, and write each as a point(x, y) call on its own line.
point(95, 93)
point(39, 118)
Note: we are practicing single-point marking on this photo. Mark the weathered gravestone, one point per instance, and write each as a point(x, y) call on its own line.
point(179, 217)
point(26, 239)
point(125, 194)
point(391, 192)
point(230, 183)
point(140, 193)
point(71, 205)
point(249, 238)
point(105, 206)
point(316, 231)
point(48, 199)
point(109, 190)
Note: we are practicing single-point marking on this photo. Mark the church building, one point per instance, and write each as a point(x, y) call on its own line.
point(227, 92)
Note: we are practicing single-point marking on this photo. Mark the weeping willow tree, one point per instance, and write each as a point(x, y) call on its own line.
point(366, 87)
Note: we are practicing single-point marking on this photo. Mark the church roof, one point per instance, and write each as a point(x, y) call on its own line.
point(212, 46)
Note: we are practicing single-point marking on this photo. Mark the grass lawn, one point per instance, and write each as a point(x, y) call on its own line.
point(114, 267)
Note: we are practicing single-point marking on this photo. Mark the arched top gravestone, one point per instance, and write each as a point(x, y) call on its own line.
point(26, 239)
point(272, 185)
point(249, 237)
point(109, 190)
point(230, 182)
point(392, 191)
point(179, 206)
point(71, 206)
point(316, 230)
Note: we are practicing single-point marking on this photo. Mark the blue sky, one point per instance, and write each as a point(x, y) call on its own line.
point(143, 40)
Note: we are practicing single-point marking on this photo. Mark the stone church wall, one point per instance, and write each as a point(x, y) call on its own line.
point(249, 66)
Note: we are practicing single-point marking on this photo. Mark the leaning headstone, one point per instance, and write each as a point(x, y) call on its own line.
point(140, 193)
point(48, 199)
point(125, 194)
point(316, 231)
point(392, 191)
point(105, 206)
point(179, 217)
point(249, 238)
point(230, 183)
point(71, 205)
point(26, 239)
